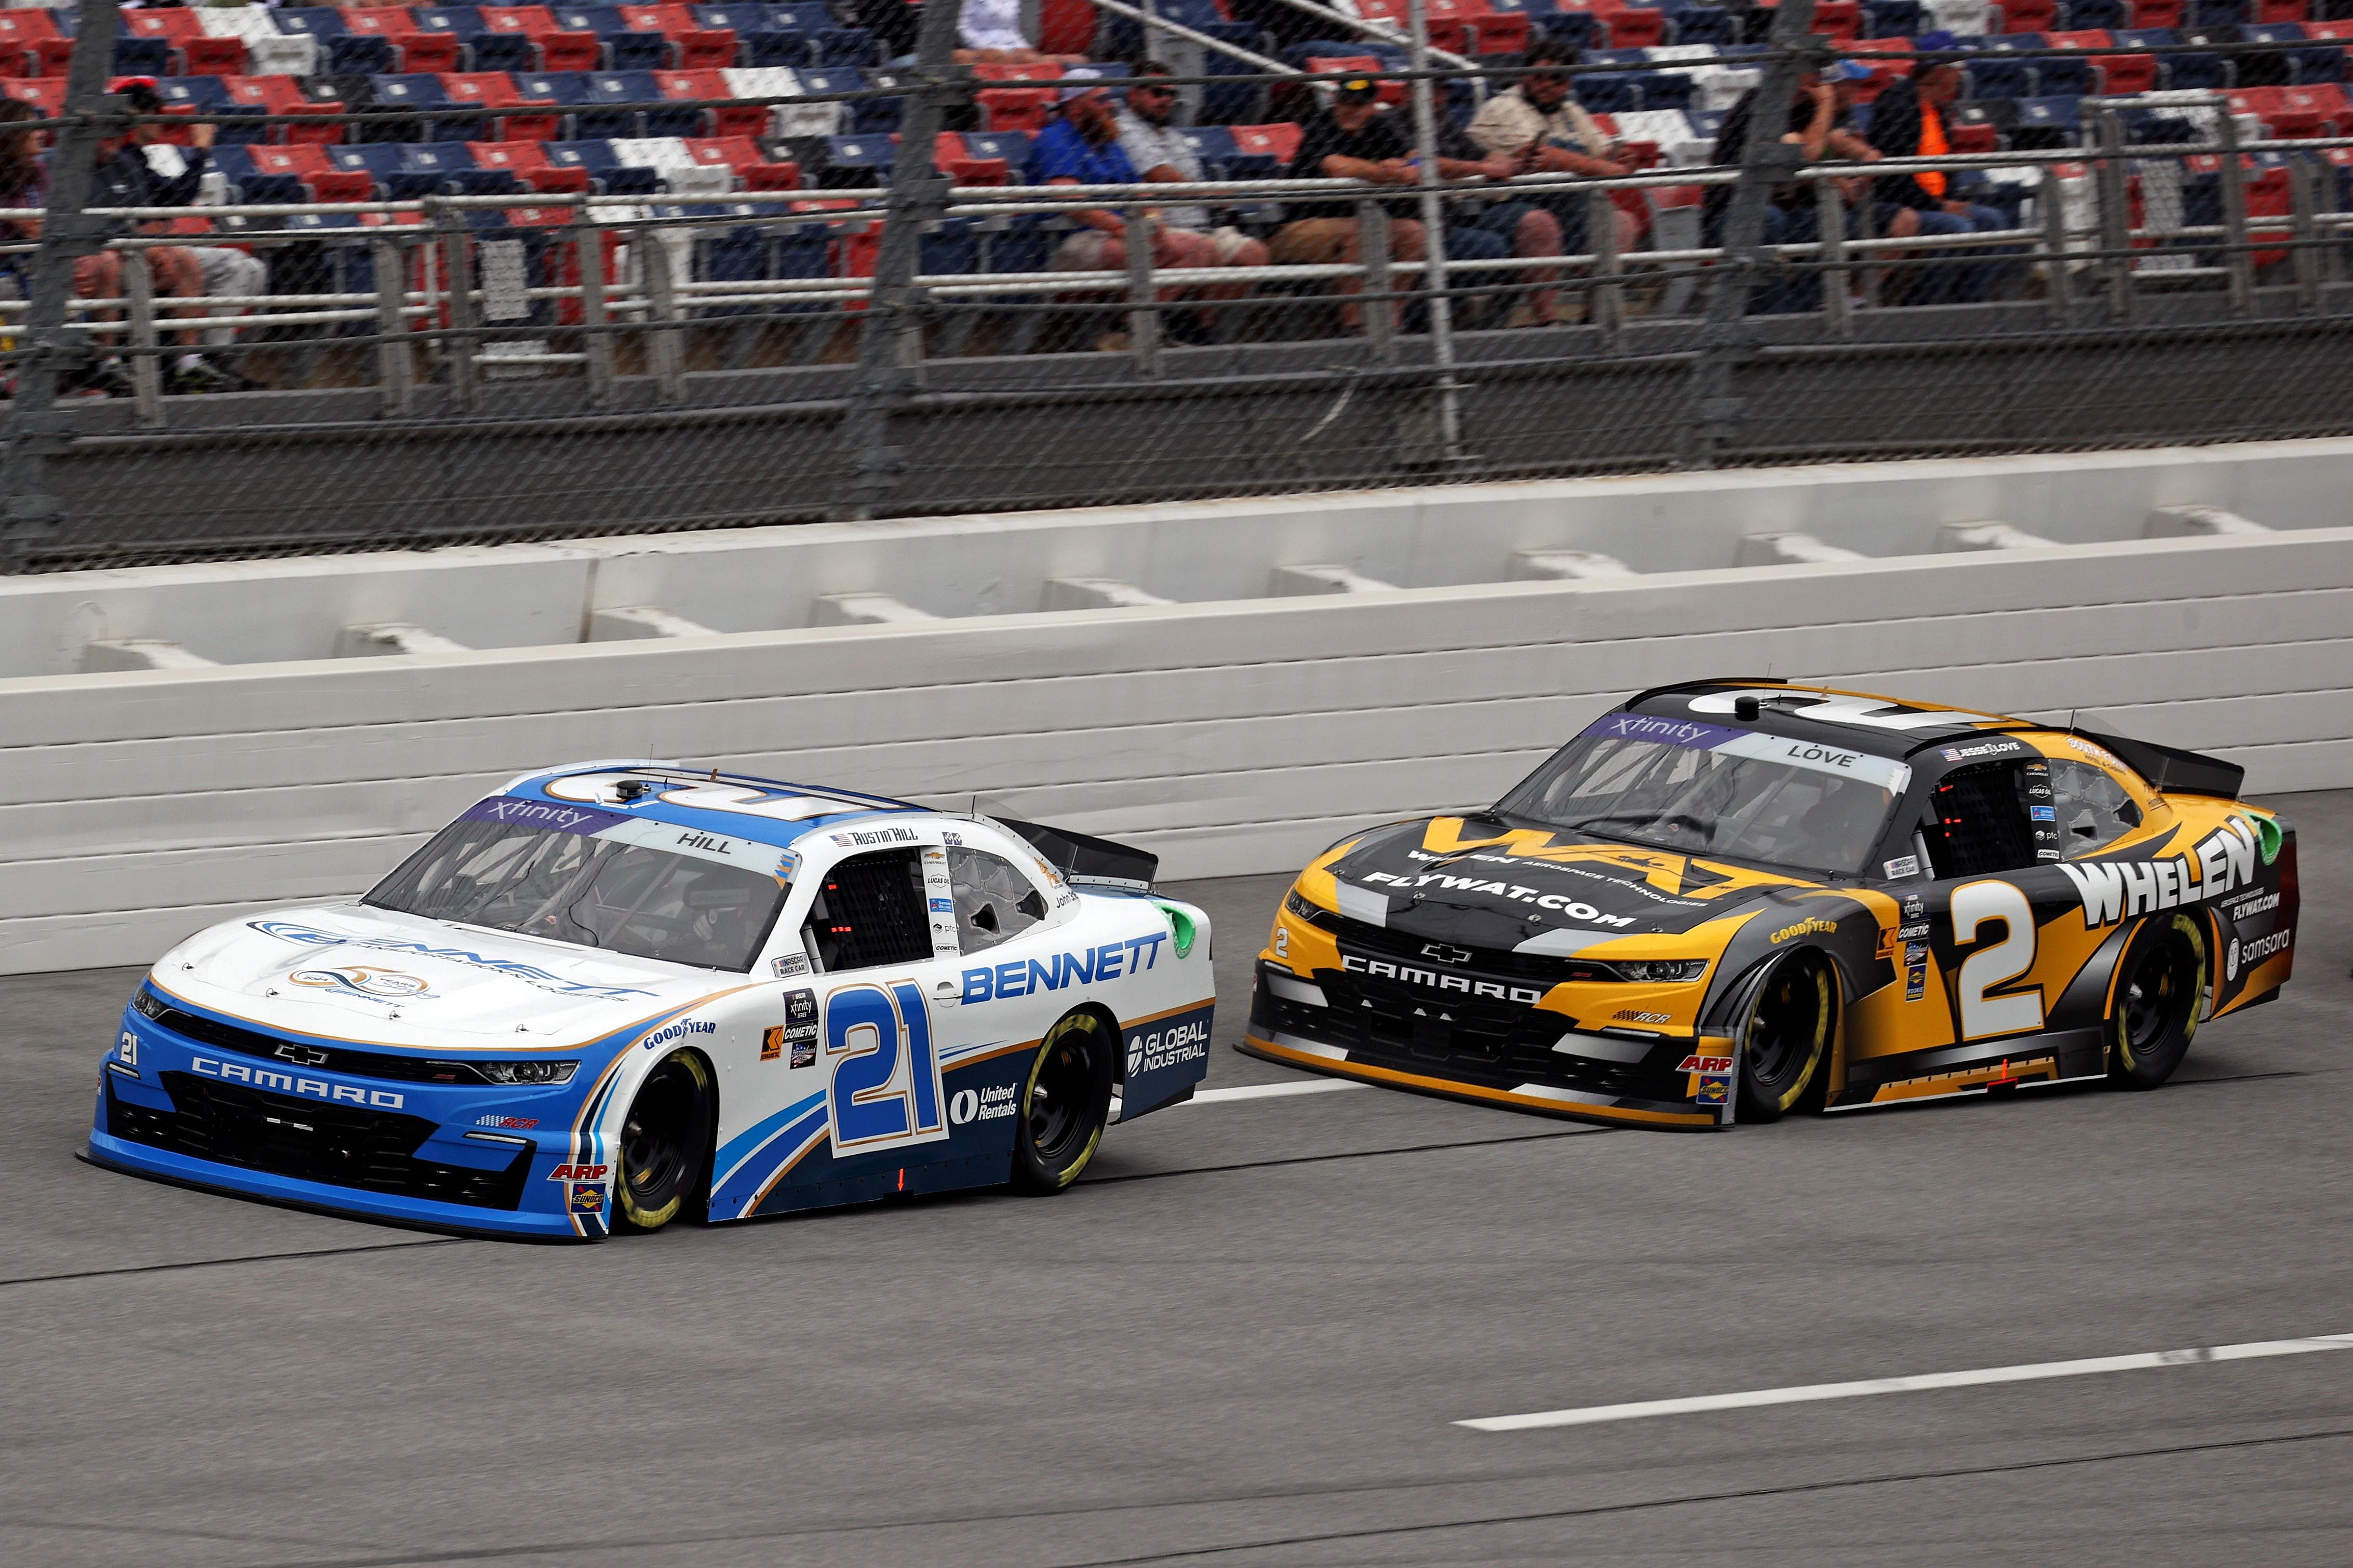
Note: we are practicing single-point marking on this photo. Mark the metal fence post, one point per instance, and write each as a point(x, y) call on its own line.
point(1143, 321)
point(1607, 312)
point(596, 343)
point(2240, 258)
point(146, 367)
point(2115, 217)
point(2058, 290)
point(459, 347)
point(1380, 323)
point(1433, 237)
point(918, 196)
point(36, 425)
point(1829, 211)
point(1767, 160)
point(395, 364)
point(2304, 259)
point(664, 361)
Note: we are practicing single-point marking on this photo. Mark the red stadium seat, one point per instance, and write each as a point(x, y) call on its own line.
point(2157, 13)
point(1066, 26)
point(527, 161)
point(742, 154)
point(1015, 107)
point(1034, 70)
point(558, 50)
point(1278, 142)
point(195, 53)
point(45, 93)
point(25, 34)
point(955, 161)
point(2292, 113)
point(418, 50)
point(1897, 63)
point(1841, 20)
point(284, 95)
point(497, 90)
point(2281, 10)
point(735, 120)
point(695, 48)
point(1977, 138)
point(321, 181)
point(2030, 15)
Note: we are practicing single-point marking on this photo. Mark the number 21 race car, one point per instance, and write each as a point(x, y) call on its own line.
point(1731, 898)
point(618, 992)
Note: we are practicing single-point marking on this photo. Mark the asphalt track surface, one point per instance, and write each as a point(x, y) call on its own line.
point(1244, 1340)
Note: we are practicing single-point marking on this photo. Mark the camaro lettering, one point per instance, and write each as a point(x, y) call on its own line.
point(2119, 889)
point(1381, 968)
point(287, 1083)
point(1086, 966)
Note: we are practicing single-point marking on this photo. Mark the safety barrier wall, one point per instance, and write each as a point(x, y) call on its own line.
point(1232, 736)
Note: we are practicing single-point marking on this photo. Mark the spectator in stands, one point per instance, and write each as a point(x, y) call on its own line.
point(1481, 229)
point(1907, 122)
point(1081, 147)
point(125, 177)
point(1819, 127)
point(1352, 139)
point(1539, 122)
point(1159, 153)
point(991, 34)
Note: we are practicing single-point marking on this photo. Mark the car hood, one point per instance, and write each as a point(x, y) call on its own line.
point(1481, 883)
point(350, 972)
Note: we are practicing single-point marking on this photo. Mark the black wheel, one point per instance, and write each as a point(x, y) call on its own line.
point(1785, 1043)
point(665, 1142)
point(1065, 1104)
point(2158, 994)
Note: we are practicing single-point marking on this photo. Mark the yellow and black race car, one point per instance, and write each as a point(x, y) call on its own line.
point(1734, 898)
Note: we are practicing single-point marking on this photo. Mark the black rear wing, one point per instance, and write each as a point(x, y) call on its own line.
point(2173, 771)
point(1086, 861)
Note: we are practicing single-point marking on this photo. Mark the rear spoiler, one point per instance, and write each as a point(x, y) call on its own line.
point(1086, 861)
point(2172, 771)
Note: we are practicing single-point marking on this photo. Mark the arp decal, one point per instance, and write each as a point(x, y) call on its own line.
point(579, 1173)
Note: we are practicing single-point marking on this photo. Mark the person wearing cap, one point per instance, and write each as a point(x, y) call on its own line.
point(1160, 154)
point(124, 176)
point(1353, 140)
point(1082, 148)
point(1819, 127)
point(1908, 121)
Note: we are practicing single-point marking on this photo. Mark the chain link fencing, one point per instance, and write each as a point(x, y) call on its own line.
point(831, 329)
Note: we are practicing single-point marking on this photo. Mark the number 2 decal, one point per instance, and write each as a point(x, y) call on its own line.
point(886, 1078)
point(1982, 1016)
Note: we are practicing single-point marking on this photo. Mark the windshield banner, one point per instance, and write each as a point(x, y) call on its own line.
point(543, 813)
point(1886, 772)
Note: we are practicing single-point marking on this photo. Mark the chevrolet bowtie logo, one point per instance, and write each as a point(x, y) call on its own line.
point(1445, 954)
point(300, 1056)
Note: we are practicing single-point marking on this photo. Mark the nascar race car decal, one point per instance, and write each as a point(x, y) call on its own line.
point(615, 993)
point(1731, 898)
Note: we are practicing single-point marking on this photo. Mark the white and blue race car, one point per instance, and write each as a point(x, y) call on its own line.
point(618, 991)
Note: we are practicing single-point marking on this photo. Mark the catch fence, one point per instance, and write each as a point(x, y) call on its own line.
point(461, 368)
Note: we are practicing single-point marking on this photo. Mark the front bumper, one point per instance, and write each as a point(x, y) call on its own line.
point(466, 1159)
point(1490, 1066)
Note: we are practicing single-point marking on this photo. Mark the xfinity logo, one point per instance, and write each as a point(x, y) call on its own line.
point(288, 1083)
point(1445, 954)
point(1382, 969)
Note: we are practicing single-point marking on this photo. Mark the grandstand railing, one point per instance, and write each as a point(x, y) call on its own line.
point(430, 304)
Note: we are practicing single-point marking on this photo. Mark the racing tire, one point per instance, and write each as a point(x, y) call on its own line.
point(665, 1143)
point(2159, 989)
point(1784, 1041)
point(1065, 1104)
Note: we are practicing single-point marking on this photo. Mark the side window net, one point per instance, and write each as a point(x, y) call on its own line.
point(993, 900)
point(2093, 809)
point(869, 910)
point(1979, 825)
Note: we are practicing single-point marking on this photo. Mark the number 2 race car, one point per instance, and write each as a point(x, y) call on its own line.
point(619, 991)
point(1729, 899)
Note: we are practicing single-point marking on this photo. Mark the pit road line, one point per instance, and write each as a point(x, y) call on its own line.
point(1271, 1090)
point(2195, 1356)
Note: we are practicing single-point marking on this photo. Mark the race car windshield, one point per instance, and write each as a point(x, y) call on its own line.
point(1706, 790)
point(594, 892)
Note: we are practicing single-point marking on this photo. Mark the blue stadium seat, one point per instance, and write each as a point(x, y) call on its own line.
point(867, 116)
point(2059, 76)
point(248, 183)
point(2089, 15)
point(606, 171)
point(1882, 19)
point(625, 50)
point(1996, 72)
point(341, 51)
point(417, 91)
point(857, 162)
point(1666, 89)
point(1013, 146)
point(1213, 144)
point(1709, 24)
point(616, 88)
point(764, 36)
point(2220, 12)
point(2046, 123)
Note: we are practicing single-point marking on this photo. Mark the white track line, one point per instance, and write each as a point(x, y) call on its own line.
point(1273, 1090)
point(2195, 1356)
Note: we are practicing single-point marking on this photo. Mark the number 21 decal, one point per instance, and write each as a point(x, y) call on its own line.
point(885, 1089)
point(1974, 904)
